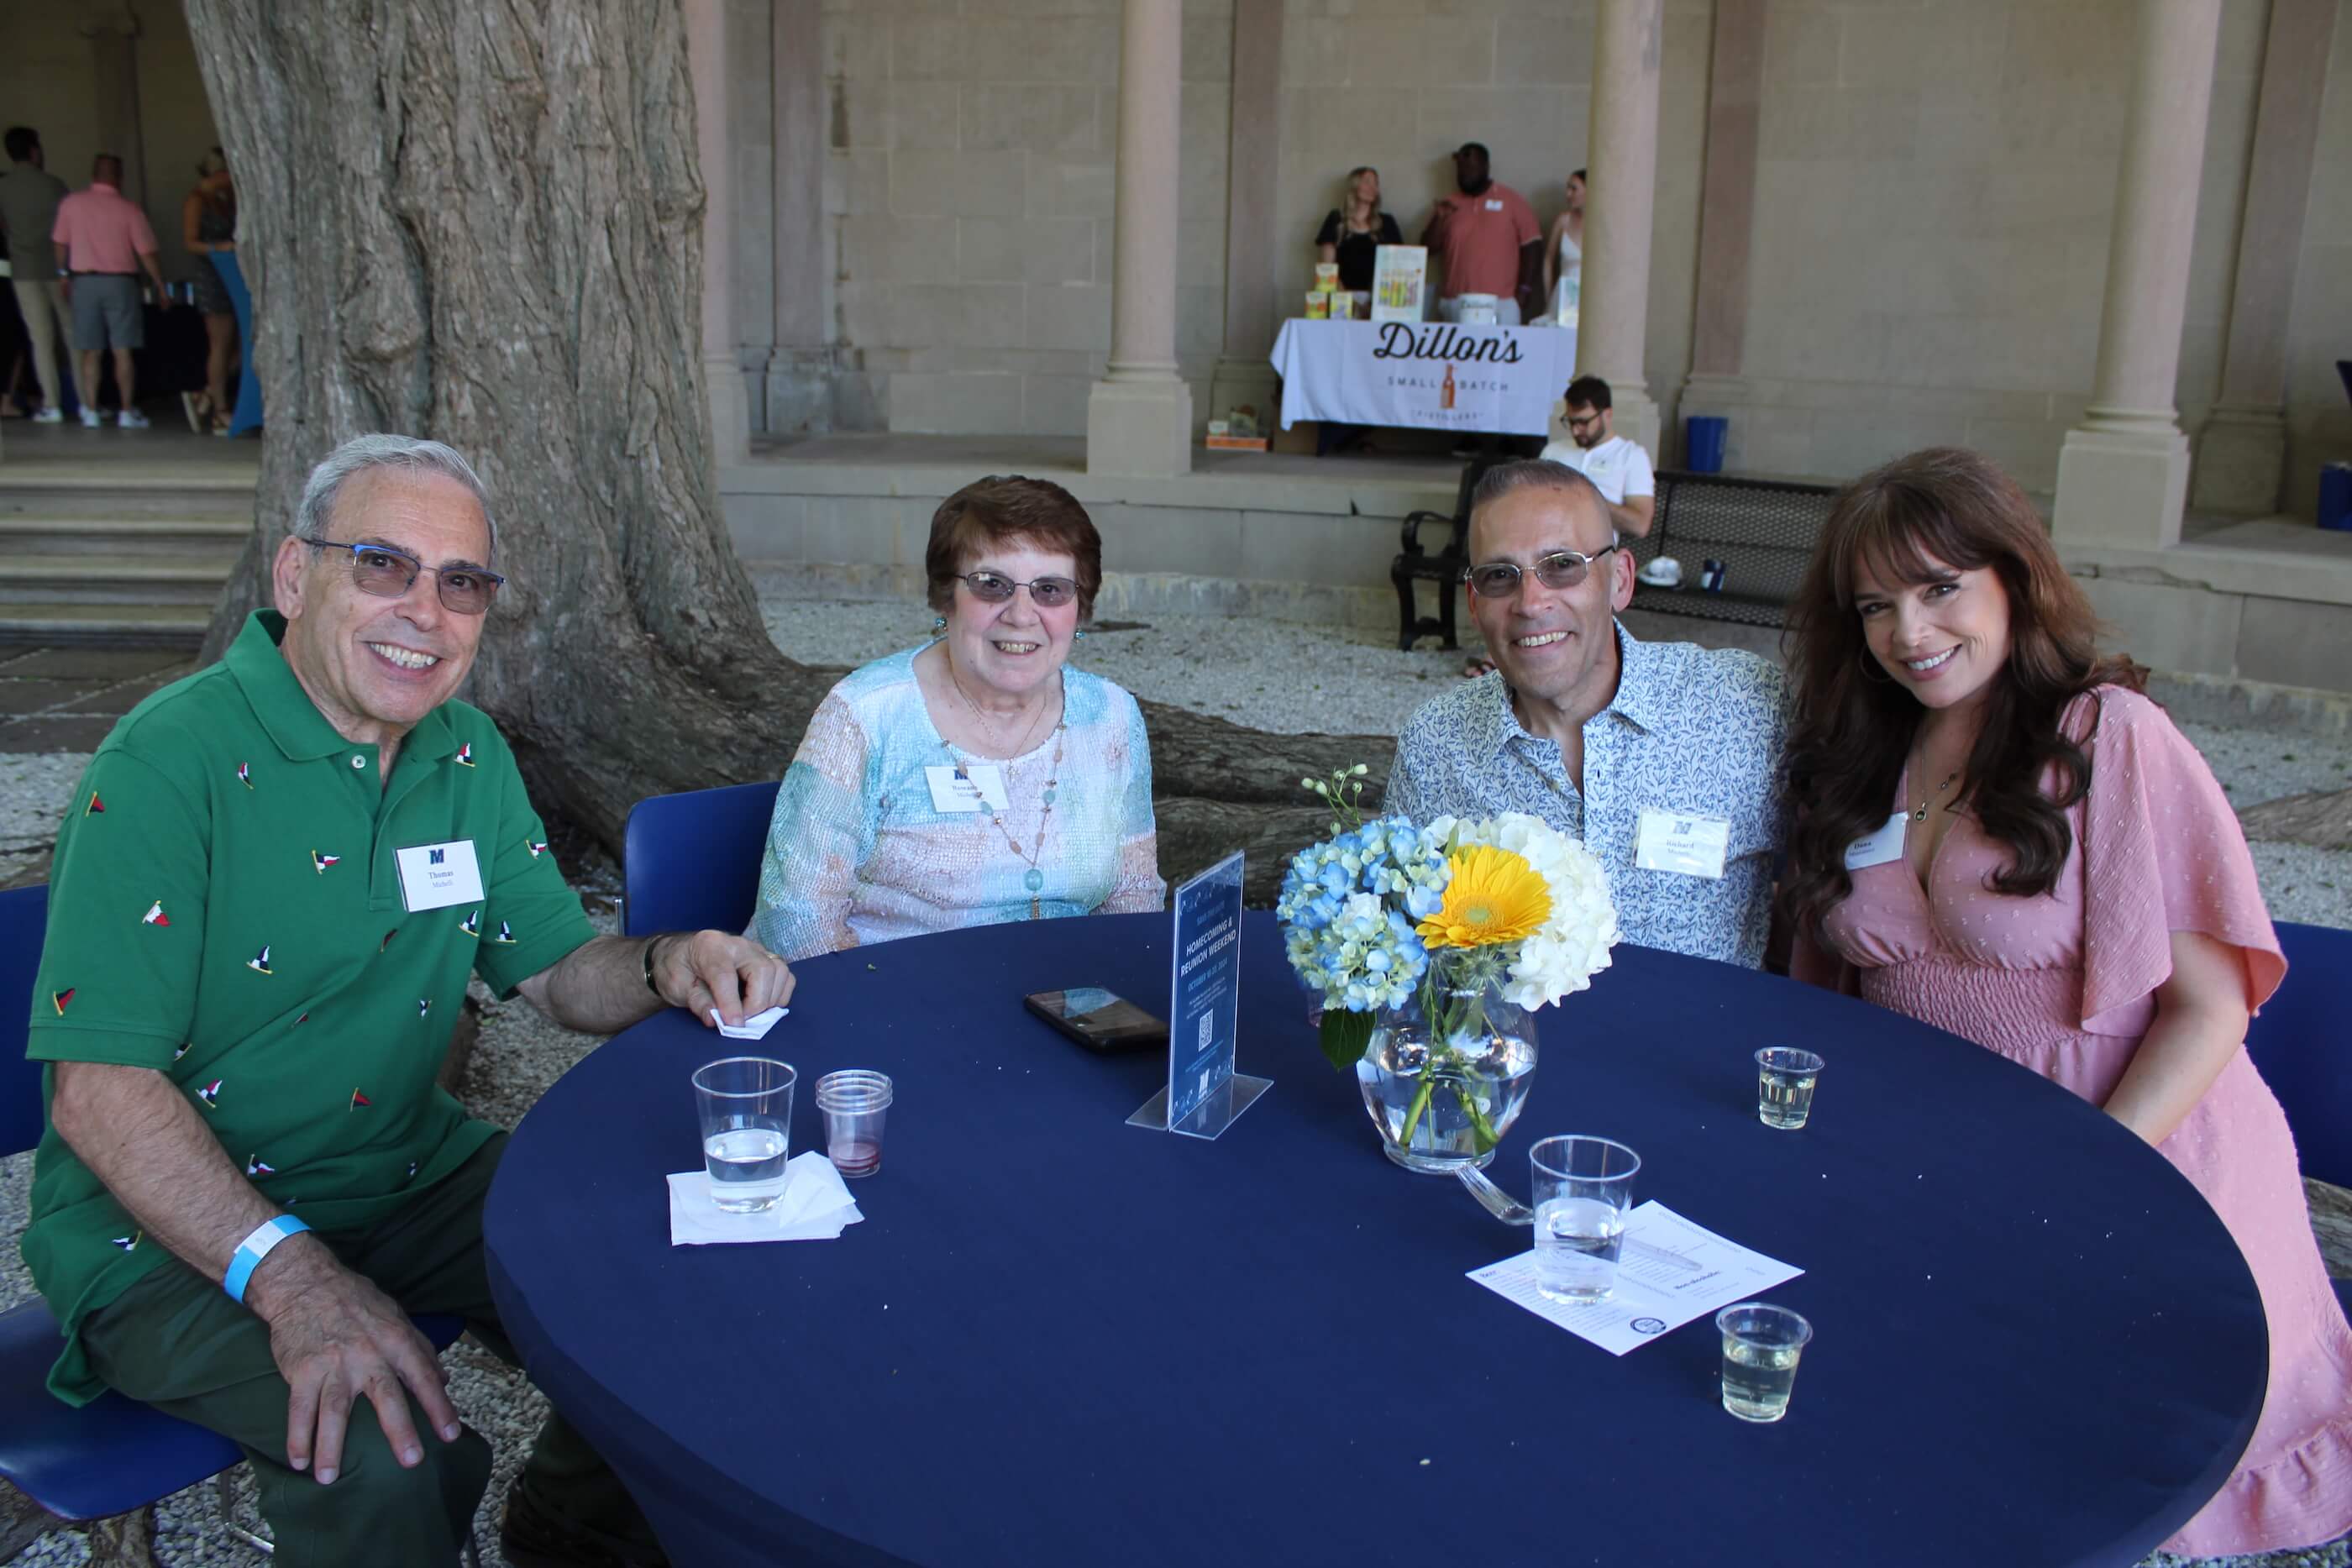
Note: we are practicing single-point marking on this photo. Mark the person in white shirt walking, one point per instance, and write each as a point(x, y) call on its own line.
point(1617, 466)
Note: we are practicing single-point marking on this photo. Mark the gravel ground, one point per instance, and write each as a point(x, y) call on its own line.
point(1271, 675)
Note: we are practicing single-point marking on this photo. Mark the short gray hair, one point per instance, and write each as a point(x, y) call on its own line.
point(1536, 474)
point(406, 453)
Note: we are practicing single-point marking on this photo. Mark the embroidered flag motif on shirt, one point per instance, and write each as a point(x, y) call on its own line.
point(466, 755)
point(472, 924)
point(506, 935)
point(320, 862)
point(260, 962)
point(130, 1243)
point(245, 773)
point(59, 999)
point(412, 1170)
point(155, 915)
point(387, 939)
point(300, 1021)
point(210, 1094)
point(182, 1051)
point(358, 1100)
point(256, 1166)
point(423, 1005)
point(536, 846)
point(96, 808)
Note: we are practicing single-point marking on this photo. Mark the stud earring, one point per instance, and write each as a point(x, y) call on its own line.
point(939, 623)
point(1078, 635)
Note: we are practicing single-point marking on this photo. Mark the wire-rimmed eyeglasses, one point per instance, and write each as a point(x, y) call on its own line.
point(390, 573)
point(1561, 568)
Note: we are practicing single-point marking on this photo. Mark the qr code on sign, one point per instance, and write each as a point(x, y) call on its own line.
point(1208, 1028)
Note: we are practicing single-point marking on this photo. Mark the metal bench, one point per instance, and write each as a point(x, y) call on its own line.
point(1762, 530)
point(1415, 564)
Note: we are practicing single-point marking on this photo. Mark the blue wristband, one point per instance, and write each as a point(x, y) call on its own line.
point(253, 1250)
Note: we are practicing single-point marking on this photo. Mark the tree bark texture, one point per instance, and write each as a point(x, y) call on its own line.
point(482, 224)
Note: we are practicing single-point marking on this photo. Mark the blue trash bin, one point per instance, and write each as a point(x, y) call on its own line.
point(1703, 443)
point(2335, 496)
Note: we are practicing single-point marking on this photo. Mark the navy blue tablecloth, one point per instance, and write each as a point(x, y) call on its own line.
point(1060, 1339)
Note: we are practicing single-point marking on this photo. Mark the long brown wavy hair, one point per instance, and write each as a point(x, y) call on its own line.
point(1855, 723)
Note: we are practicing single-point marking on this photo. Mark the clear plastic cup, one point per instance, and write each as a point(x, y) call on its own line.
point(854, 1102)
point(1761, 1345)
point(1784, 1086)
point(746, 1106)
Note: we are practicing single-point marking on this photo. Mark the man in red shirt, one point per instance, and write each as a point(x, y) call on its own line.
point(103, 242)
point(1489, 238)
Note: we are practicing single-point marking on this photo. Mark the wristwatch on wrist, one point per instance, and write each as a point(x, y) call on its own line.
point(650, 942)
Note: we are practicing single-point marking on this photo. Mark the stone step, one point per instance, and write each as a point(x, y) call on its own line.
point(109, 625)
point(92, 578)
point(47, 534)
point(125, 490)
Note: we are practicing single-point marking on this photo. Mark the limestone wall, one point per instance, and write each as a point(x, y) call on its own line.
point(2319, 333)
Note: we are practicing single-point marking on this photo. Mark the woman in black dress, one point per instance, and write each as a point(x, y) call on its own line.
point(1351, 235)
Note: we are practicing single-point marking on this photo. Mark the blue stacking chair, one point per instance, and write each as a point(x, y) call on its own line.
point(692, 862)
point(113, 1455)
point(2297, 1046)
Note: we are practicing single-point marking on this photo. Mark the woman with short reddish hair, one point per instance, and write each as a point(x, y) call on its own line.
point(977, 779)
point(1996, 833)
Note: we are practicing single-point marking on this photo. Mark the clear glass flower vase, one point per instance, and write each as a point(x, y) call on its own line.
point(1447, 1071)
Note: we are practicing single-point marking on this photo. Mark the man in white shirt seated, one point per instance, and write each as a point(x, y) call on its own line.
point(1618, 468)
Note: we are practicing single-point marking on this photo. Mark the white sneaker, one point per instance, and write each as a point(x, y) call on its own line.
point(132, 419)
point(89, 418)
point(50, 415)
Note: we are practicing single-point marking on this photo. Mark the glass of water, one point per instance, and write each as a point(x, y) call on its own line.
point(1761, 1344)
point(1584, 1191)
point(746, 1104)
point(1784, 1086)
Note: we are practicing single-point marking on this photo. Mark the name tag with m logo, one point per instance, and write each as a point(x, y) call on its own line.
point(435, 876)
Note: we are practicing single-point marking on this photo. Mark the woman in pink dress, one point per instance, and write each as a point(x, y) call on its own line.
point(1997, 834)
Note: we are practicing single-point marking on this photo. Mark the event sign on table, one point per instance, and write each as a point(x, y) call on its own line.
point(1204, 1094)
point(1432, 375)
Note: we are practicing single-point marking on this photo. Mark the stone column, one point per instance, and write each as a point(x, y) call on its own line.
point(2122, 473)
point(1254, 240)
point(1614, 312)
point(2241, 452)
point(1140, 417)
point(705, 45)
point(800, 383)
point(1727, 208)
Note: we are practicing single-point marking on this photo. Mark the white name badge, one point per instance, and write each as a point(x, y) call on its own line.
point(434, 876)
point(971, 790)
point(1878, 848)
point(1494, 204)
point(1684, 844)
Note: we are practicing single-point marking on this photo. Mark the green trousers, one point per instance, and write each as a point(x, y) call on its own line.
point(175, 1341)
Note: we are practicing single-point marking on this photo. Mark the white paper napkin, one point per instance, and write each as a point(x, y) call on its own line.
point(815, 1206)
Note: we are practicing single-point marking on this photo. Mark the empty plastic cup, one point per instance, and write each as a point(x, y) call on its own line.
point(854, 1102)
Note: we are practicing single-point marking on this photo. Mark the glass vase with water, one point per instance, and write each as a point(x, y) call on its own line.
point(1446, 1072)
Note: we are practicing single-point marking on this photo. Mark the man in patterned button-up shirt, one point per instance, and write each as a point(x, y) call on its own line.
point(1589, 728)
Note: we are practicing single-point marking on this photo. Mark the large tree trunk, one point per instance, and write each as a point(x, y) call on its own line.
point(482, 224)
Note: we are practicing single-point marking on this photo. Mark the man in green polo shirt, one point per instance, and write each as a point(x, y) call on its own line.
point(272, 886)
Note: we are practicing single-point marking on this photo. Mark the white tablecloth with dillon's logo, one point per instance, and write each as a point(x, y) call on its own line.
point(1429, 375)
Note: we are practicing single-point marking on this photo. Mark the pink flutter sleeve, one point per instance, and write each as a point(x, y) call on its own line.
point(2162, 851)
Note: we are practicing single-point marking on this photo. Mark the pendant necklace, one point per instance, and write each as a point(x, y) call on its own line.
point(1920, 815)
point(1033, 879)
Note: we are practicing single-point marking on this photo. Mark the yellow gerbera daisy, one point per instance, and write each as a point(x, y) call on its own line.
point(1494, 896)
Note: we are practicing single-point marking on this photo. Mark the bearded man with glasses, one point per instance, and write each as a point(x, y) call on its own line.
point(1663, 758)
point(976, 778)
point(272, 886)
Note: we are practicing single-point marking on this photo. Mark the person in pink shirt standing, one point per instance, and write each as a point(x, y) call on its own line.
point(1489, 238)
point(103, 243)
point(1996, 833)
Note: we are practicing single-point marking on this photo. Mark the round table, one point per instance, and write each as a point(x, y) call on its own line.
point(1056, 1339)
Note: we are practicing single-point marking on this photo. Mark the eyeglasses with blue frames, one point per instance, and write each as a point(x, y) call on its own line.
point(1045, 592)
point(1561, 568)
point(390, 573)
